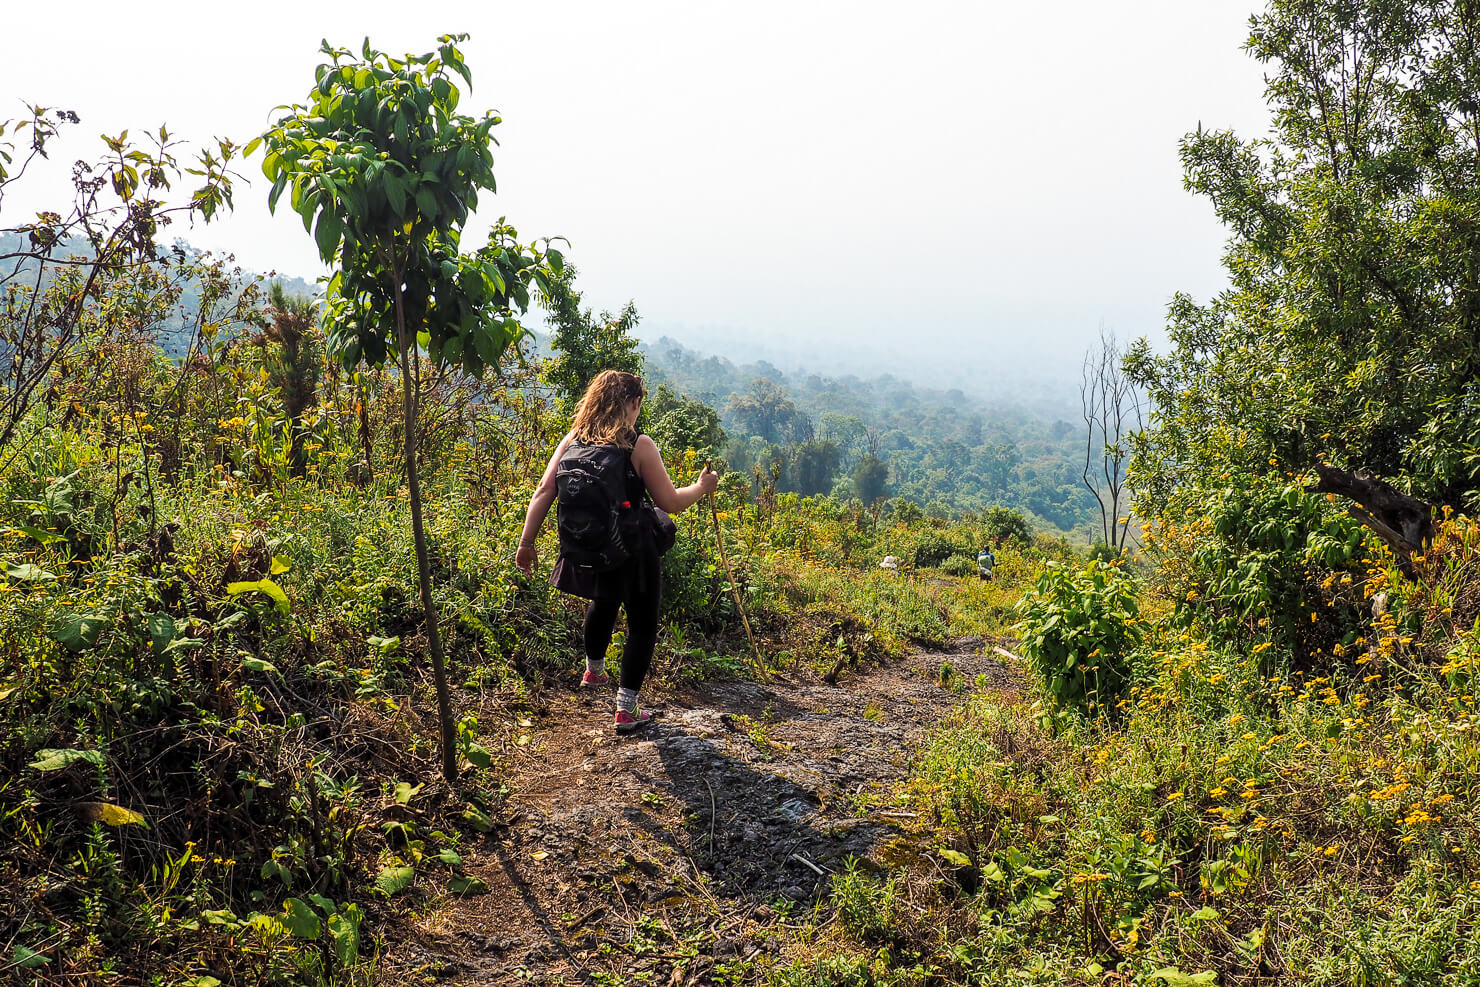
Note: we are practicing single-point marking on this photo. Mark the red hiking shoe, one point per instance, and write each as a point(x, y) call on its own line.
point(626, 722)
point(590, 680)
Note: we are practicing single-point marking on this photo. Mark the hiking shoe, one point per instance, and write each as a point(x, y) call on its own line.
point(590, 680)
point(627, 722)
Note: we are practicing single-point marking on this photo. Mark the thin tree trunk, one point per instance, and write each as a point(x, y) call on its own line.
point(409, 402)
point(364, 415)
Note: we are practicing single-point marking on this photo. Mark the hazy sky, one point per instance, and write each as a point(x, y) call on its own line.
point(945, 177)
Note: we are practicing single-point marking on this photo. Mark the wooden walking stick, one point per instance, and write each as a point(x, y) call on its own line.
point(756, 660)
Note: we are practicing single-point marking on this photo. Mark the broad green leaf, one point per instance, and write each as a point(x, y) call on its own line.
point(267, 586)
point(28, 959)
point(327, 235)
point(28, 572)
point(345, 928)
point(162, 630)
point(55, 759)
point(300, 919)
point(384, 645)
point(464, 886)
point(955, 858)
point(220, 916)
point(477, 819)
point(259, 665)
point(44, 537)
point(229, 621)
point(395, 194)
point(1176, 978)
point(479, 756)
point(325, 905)
point(280, 565)
point(393, 880)
point(405, 792)
point(112, 815)
point(271, 868)
point(449, 857)
point(79, 632)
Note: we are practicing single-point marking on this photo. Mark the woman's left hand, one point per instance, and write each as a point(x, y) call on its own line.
point(525, 557)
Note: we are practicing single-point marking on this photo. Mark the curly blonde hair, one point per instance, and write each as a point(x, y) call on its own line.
point(601, 415)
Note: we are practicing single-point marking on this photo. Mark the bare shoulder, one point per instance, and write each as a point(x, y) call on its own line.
point(645, 445)
point(645, 455)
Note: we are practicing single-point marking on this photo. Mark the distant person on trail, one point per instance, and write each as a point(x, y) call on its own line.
point(602, 471)
point(985, 563)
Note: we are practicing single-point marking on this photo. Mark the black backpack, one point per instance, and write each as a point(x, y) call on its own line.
point(599, 525)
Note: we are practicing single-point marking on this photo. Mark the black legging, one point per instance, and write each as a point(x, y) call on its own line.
point(641, 604)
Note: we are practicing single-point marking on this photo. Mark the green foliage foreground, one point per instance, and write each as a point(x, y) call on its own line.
point(1248, 814)
point(218, 754)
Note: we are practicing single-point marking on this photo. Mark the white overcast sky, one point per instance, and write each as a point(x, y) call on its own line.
point(944, 176)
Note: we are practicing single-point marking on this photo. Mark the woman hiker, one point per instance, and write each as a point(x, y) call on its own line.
point(607, 416)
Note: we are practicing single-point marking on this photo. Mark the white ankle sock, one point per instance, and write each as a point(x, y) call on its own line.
point(627, 699)
point(595, 666)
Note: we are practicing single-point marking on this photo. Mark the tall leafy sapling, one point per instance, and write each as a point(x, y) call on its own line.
point(384, 172)
point(585, 344)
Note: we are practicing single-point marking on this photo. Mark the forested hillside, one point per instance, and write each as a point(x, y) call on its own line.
point(942, 450)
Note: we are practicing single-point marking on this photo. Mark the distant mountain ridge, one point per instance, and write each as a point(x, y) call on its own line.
point(172, 334)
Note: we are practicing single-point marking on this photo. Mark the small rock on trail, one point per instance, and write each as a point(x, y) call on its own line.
point(663, 852)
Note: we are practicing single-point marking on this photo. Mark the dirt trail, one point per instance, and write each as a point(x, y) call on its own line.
point(678, 855)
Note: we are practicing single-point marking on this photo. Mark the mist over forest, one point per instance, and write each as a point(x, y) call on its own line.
point(1002, 364)
point(946, 450)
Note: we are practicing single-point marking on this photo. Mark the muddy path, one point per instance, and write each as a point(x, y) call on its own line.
point(684, 853)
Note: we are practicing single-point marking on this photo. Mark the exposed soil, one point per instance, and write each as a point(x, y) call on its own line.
point(682, 853)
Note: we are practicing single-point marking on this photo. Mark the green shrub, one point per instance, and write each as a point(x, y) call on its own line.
point(1279, 564)
point(695, 586)
point(958, 565)
point(868, 908)
point(1006, 526)
point(1078, 629)
point(835, 971)
point(933, 549)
